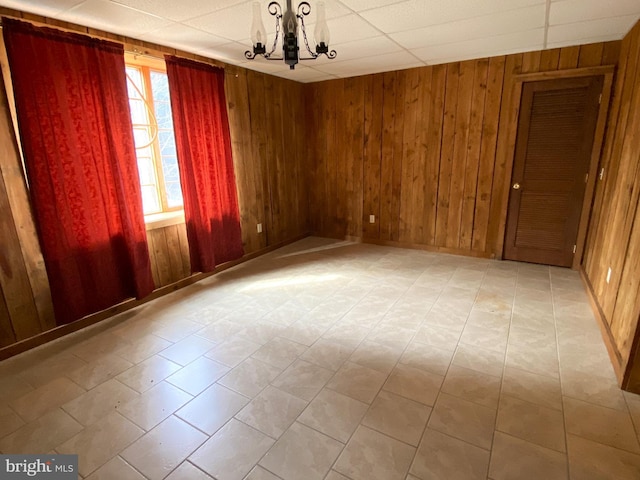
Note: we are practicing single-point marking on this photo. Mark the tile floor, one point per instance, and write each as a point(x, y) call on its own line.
point(333, 360)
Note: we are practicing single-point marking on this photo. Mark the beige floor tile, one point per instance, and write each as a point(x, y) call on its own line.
point(593, 389)
point(41, 435)
point(187, 471)
point(279, 352)
point(151, 407)
point(397, 417)
point(99, 442)
point(116, 468)
point(187, 350)
point(479, 359)
point(98, 346)
point(303, 333)
point(540, 389)
point(515, 459)
point(334, 414)
point(46, 398)
point(94, 373)
point(212, 408)
point(543, 361)
point(232, 452)
point(303, 379)
point(357, 382)
point(431, 359)
point(148, 373)
point(142, 349)
point(443, 457)
point(12, 386)
point(259, 473)
point(438, 337)
point(596, 461)
point(198, 375)
point(464, 420)
point(391, 336)
point(233, 351)
point(534, 423)
point(376, 356)
point(370, 455)
point(177, 329)
point(414, 383)
point(474, 386)
point(250, 377)
point(161, 450)
point(93, 405)
point(600, 424)
point(302, 453)
point(333, 475)
point(261, 331)
point(272, 411)
point(491, 338)
point(9, 421)
point(327, 354)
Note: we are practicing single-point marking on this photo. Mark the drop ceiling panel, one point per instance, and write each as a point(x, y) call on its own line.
point(572, 11)
point(232, 52)
point(526, 40)
point(365, 48)
point(500, 23)
point(105, 15)
point(397, 60)
point(584, 32)
point(184, 37)
point(362, 5)
point(233, 23)
point(50, 8)
point(423, 13)
point(178, 10)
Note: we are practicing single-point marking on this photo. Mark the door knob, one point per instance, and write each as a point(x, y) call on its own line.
point(516, 186)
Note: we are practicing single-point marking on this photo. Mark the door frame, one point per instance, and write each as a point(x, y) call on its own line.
point(513, 107)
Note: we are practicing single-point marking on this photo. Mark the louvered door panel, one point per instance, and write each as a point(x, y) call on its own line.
point(555, 137)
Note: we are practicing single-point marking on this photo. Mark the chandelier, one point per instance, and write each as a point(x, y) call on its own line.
point(287, 24)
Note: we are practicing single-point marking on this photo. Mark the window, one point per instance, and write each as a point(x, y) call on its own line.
point(150, 107)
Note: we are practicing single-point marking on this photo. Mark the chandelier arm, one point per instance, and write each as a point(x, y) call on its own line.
point(301, 8)
point(275, 10)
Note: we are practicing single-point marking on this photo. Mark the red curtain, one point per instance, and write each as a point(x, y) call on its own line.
point(77, 139)
point(201, 127)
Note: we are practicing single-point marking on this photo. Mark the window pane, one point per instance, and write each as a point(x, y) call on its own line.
point(134, 77)
point(163, 115)
point(174, 194)
point(159, 86)
point(150, 200)
point(138, 112)
point(141, 137)
point(167, 143)
point(146, 171)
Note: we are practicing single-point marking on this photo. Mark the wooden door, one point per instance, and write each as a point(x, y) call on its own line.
point(553, 152)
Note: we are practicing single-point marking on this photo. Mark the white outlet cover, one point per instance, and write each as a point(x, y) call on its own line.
point(609, 275)
point(372, 219)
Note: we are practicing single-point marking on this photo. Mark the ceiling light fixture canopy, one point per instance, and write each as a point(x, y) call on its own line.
point(287, 23)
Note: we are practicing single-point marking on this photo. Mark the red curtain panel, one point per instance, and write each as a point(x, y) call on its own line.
point(207, 178)
point(77, 139)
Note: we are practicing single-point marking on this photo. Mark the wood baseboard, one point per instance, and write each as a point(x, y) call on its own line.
point(614, 354)
point(89, 320)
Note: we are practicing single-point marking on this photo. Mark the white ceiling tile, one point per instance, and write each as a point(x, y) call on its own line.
point(303, 75)
point(571, 43)
point(571, 11)
point(500, 23)
point(104, 15)
point(50, 8)
point(231, 52)
point(233, 23)
point(423, 13)
point(184, 37)
point(362, 5)
point(369, 64)
point(178, 10)
point(365, 48)
point(482, 46)
point(585, 32)
point(350, 28)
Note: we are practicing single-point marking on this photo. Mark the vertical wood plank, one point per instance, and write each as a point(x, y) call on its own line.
point(568, 57)
point(7, 335)
point(372, 155)
point(473, 153)
point(184, 248)
point(446, 159)
point(388, 129)
point(590, 55)
point(421, 196)
point(549, 60)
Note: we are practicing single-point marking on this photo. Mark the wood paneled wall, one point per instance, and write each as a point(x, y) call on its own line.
point(428, 151)
point(614, 232)
point(266, 121)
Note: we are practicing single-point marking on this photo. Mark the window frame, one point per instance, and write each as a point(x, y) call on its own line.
point(146, 65)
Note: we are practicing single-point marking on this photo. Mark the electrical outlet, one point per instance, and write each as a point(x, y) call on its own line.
point(609, 275)
point(372, 219)
point(259, 228)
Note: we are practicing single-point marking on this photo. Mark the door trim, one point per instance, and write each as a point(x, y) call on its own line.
point(515, 98)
